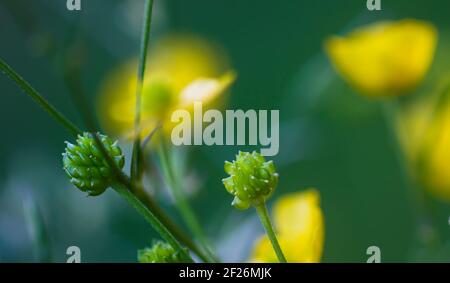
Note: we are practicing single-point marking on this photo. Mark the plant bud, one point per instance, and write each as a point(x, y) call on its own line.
point(85, 165)
point(160, 252)
point(252, 180)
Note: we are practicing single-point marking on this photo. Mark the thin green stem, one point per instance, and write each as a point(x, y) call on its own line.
point(427, 230)
point(39, 99)
point(74, 83)
point(181, 202)
point(265, 220)
point(171, 226)
point(136, 166)
point(150, 217)
point(140, 193)
point(119, 175)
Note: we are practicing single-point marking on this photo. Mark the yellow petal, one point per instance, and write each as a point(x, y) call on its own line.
point(425, 136)
point(300, 229)
point(205, 89)
point(412, 124)
point(385, 58)
point(438, 170)
point(187, 57)
point(174, 63)
point(263, 251)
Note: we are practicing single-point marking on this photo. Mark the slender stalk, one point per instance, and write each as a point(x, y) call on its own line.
point(427, 230)
point(39, 99)
point(150, 217)
point(140, 193)
point(265, 220)
point(119, 175)
point(171, 226)
point(136, 170)
point(181, 202)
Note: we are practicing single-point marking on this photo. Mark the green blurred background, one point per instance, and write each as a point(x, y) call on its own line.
point(331, 138)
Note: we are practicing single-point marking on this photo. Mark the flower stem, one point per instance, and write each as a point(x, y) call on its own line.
point(171, 226)
point(39, 99)
point(181, 202)
point(136, 166)
point(265, 220)
point(119, 175)
point(150, 217)
point(427, 230)
point(151, 205)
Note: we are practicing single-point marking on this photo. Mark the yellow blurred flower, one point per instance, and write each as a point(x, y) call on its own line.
point(181, 69)
point(424, 130)
point(205, 89)
point(385, 58)
point(299, 223)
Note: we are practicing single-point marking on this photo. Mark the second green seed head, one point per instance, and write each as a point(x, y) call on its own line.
point(160, 252)
point(252, 179)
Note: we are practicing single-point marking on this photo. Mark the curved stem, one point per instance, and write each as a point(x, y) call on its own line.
point(39, 99)
point(265, 220)
point(140, 194)
point(181, 202)
point(150, 217)
point(119, 175)
point(148, 202)
point(171, 226)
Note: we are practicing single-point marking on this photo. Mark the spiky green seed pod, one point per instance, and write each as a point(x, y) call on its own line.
point(252, 180)
point(85, 165)
point(160, 252)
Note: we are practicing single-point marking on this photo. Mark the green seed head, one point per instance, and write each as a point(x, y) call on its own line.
point(85, 165)
point(252, 180)
point(160, 252)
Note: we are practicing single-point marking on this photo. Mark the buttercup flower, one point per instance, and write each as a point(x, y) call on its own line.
point(252, 180)
point(299, 224)
point(385, 58)
point(205, 89)
point(160, 252)
point(424, 130)
point(85, 165)
point(182, 69)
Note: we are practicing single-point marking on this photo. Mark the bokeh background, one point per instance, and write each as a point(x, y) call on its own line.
point(331, 138)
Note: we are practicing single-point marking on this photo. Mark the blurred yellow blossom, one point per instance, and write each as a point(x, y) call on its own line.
point(181, 69)
point(424, 129)
point(385, 58)
point(299, 224)
point(205, 89)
